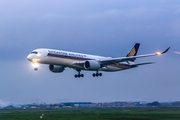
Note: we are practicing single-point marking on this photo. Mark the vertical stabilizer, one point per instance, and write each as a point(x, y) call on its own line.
point(133, 51)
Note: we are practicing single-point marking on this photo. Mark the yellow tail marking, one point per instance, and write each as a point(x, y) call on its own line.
point(132, 53)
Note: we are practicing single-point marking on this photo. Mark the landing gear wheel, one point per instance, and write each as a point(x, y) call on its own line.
point(36, 69)
point(100, 74)
point(75, 76)
point(96, 74)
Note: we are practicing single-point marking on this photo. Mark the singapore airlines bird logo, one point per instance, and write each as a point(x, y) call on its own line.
point(133, 51)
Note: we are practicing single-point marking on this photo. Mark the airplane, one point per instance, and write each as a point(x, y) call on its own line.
point(58, 60)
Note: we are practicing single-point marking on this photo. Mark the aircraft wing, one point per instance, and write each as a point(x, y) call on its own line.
point(109, 61)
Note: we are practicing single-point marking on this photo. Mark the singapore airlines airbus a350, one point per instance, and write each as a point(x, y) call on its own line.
point(58, 60)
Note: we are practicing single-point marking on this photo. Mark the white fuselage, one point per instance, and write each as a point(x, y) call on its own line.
point(69, 59)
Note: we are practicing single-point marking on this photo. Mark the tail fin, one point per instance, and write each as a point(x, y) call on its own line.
point(133, 51)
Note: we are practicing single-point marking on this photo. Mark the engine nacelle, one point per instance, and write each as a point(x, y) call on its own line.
point(92, 65)
point(56, 68)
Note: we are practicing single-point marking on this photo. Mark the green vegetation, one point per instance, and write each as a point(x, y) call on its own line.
point(93, 114)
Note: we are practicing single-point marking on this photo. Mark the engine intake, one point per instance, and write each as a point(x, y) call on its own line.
point(56, 68)
point(92, 65)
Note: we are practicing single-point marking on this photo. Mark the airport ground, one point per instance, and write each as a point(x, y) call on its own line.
point(92, 114)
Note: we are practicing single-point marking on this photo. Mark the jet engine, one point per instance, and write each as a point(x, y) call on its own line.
point(56, 68)
point(92, 65)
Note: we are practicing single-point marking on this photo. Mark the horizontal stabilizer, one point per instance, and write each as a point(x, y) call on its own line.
point(143, 63)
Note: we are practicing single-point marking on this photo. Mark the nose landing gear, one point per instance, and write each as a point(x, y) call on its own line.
point(35, 66)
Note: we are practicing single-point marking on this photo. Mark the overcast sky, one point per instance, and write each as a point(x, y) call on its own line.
point(100, 27)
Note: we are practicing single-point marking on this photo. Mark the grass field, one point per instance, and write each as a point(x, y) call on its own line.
point(93, 114)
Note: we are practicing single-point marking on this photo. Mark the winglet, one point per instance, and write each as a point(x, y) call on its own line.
point(159, 53)
point(165, 50)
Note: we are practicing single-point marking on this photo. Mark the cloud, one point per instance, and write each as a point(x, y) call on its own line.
point(3, 104)
point(49, 15)
point(174, 28)
point(176, 52)
point(97, 27)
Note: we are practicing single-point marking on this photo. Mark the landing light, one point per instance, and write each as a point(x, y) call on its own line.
point(158, 53)
point(35, 65)
point(35, 60)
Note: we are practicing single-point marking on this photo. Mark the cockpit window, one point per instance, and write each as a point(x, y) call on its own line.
point(34, 52)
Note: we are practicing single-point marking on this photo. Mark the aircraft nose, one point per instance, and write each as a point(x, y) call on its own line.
point(29, 57)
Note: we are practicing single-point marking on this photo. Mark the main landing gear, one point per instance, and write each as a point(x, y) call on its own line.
point(82, 75)
point(96, 74)
point(79, 74)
